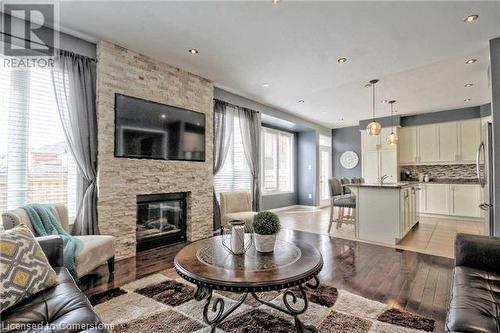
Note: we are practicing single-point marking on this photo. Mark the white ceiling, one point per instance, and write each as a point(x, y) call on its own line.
point(416, 49)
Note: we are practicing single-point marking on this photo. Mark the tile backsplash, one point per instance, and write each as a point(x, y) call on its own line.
point(450, 171)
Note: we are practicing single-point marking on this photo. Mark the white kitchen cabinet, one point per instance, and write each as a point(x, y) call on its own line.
point(370, 166)
point(428, 143)
point(379, 158)
point(448, 142)
point(450, 199)
point(388, 165)
point(452, 142)
point(470, 138)
point(407, 145)
point(465, 199)
point(369, 142)
point(437, 199)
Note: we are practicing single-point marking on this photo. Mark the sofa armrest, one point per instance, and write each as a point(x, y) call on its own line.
point(53, 248)
point(480, 252)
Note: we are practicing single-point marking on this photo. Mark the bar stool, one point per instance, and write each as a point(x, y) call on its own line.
point(342, 201)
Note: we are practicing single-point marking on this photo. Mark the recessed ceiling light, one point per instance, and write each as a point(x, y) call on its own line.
point(384, 101)
point(276, 2)
point(467, 85)
point(194, 51)
point(368, 85)
point(163, 116)
point(266, 85)
point(301, 101)
point(467, 100)
point(471, 18)
point(470, 61)
point(341, 60)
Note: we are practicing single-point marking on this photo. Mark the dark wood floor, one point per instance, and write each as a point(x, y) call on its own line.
point(413, 281)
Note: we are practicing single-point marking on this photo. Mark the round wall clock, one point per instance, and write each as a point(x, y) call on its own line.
point(349, 159)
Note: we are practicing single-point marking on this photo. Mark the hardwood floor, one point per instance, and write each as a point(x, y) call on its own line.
point(433, 235)
point(407, 280)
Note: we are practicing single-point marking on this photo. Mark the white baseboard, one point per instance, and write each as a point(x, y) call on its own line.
point(450, 217)
point(294, 207)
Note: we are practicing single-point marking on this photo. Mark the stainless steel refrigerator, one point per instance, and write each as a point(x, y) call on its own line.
point(484, 169)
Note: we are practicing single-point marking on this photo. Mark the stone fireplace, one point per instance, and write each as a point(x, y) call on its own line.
point(161, 219)
point(122, 180)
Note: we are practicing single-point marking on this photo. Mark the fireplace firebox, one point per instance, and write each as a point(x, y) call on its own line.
point(161, 219)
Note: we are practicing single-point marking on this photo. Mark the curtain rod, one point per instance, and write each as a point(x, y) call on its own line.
point(41, 44)
point(234, 105)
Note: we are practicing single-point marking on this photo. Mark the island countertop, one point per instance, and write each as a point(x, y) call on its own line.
point(385, 185)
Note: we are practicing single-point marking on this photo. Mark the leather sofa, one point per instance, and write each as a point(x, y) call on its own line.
point(62, 308)
point(475, 292)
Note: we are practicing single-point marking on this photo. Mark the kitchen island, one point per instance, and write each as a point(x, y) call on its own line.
point(385, 213)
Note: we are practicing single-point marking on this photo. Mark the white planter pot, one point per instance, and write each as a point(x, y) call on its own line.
point(264, 243)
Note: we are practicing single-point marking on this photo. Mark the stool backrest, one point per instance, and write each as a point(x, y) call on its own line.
point(345, 189)
point(335, 187)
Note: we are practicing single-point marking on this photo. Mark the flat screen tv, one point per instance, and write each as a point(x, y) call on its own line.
point(145, 129)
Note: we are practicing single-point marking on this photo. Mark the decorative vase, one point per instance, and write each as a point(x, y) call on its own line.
point(264, 243)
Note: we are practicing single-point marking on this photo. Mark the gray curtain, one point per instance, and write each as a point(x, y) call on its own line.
point(74, 78)
point(223, 132)
point(250, 135)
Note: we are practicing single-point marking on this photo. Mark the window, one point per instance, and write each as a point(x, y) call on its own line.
point(35, 162)
point(277, 161)
point(235, 174)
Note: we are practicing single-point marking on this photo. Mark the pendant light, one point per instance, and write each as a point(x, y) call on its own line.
point(392, 139)
point(374, 127)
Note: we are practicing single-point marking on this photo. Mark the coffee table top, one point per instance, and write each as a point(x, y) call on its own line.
point(208, 263)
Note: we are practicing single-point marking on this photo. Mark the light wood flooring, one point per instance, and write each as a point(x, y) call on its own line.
point(432, 235)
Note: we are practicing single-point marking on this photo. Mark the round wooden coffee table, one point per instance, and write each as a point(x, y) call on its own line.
point(210, 266)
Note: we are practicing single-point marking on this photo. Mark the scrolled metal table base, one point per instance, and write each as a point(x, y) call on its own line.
point(216, 305)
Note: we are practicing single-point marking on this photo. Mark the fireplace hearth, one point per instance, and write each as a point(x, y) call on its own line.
point(161, 219)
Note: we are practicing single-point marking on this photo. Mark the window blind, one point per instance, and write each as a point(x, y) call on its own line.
point(36, 165)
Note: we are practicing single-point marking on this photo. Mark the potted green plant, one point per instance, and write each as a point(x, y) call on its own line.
point(265, 227)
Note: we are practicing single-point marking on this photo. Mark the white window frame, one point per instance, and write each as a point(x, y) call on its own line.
point(292, 158)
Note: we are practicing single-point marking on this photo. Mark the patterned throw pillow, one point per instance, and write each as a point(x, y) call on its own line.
point(24, 268)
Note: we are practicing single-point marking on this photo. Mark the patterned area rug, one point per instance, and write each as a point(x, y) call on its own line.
point(159, 304)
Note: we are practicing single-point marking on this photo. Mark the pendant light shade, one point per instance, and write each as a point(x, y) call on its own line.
point(392, 139)
point(374, 127)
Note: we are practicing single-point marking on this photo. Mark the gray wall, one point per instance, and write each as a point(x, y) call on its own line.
point(495, 110)
point(433, 117)
point(347, 138)
point(307, 167)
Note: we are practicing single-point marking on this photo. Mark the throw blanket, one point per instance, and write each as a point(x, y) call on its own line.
point(45, 223)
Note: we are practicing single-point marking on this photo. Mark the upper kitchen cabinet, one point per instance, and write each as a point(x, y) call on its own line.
point(428, 144)
point(378, 157)
point(470, 138)
point(453, 142)
point(448, 142)
point(407, 145)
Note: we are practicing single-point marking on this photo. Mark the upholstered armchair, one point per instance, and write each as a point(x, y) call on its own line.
point(237, 206)
point(97, 249)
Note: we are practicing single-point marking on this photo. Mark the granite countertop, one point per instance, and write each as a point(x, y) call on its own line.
point(384, 185)
point(449, 181)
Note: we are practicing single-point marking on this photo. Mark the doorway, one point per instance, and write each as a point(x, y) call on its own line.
point(325, 169)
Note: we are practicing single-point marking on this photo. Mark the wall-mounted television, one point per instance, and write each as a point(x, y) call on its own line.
point(146, 129)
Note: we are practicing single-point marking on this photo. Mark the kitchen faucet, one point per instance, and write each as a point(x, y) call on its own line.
point(384, 177)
